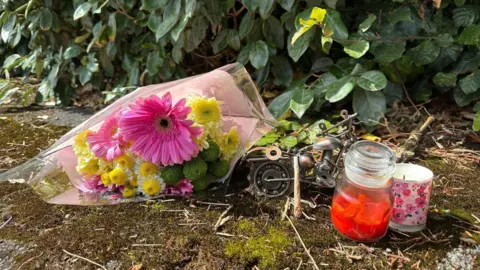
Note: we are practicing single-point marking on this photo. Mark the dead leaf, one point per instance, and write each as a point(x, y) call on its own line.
point(421, 12)
point(437, 3)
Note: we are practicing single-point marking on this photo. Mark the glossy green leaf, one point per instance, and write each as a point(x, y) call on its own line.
point(365, 25)
point(154, 62)
point(154, 21)
point(170, 17)
point(445, 79)
point(220, 42)
point(463, 99)
point(273, 31)
point(152, 5)
point(476, 107)
point(72, 52)
point(393, 92)
point(400, 14)
point(425, 53)
point(370, 106)
point(265, 7)
point(194, 36)
point(82, 10)
point(233, 40)
point(262, 74)
point(190, 6)
point(301, 100)
point(387, 51)
point(178, 29)
point(251, 5)
point(340, 88)
point(476, 122)
point(46, 19)
point(470, 83)
point(246, 24)
point(10, 61)
point(286, 4)
point(85, 76)
point(243, 56)
point(320, 86)
point(282, 70)
point(470, 35)
point(321, 64)
point(258, 54)
point(465, 16)
point(334, 20)
point(356, 49)
point(444, 40)
point(214, 11)
point(268, 139)
point(296, 50)
point(372, 80)
point(8, 26)
point(280, 105)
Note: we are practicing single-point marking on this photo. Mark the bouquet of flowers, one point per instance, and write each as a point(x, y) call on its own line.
point(169, 139)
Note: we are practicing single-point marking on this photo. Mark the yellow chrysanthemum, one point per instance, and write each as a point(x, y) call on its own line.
point(229, 143)
point(133, 182)
point(151, 185)
point(118, 176)
point(88, 166)
point(204, 110)
point(105, 178)
point(126, 161)
point(147, 168)
point(129, 192)
point(80, 144)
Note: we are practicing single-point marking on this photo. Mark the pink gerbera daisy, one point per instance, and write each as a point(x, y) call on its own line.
point(159, 131)
point(106, 142)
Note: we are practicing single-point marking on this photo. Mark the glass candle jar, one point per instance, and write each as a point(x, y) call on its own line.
point(362, 201)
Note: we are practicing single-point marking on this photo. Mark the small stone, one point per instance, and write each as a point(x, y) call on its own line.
point(388, 250)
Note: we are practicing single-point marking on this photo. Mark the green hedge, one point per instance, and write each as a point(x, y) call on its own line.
point(362, 50)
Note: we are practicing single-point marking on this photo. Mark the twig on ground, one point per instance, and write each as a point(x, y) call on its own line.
point(300, 264)
point(396, 256)
point(85, 259)
point(297, 205)
point(309, 203)
point(191, 224)
point(408, 148)
point(147, 245)
point(286, 208)
point(223, 219)
point(476, 218)
point(29, 260)
point(6, 222)
point(211, 203)
point(225, 234)
point(303, 244)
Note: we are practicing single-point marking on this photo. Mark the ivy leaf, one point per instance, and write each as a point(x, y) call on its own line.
point(262, 74)
point(244, 54)
point(470, 35)
point(152, 5)
point(444, 40)
point(400, 14)
point(369, 105)
point(251, 5)
point(46, 19)
point(8, 27)
point(170, 18)
point(425, 53)
point(387, 51)
point(178, 29)
point(233, 40)
point(258, 54)
point(246, 24)
point(340, 88)
point(302, 99)
point(268, 139)
point(463, 99)
point(356, 49)
point(321, 64)
point(154, 22)
point(11, 61)
point(265, 7)
point(273, 31)
point(365, 25)
point(85, 76)
point(476, 107)
point(334, 20)
point(280, 104)
point(154, 62)
point(320, 86)
point(442, 79)
point(295, 51)
point(289, 141)
point(82, 10)
point(423, 91)
point(286, 4)
point(215, 11)
point(476, 122)
point(471, 83)
point(460, 3)
point(72, 51)
point(464, 16)
point(372, 80)
point(194, 36)
point(282, 70)
point(393, 92)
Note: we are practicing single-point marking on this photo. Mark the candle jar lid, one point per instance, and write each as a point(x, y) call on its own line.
point(370, 164)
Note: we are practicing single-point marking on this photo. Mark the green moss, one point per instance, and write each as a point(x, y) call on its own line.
point(246, 226)
point(157, 207)
point(263, 249)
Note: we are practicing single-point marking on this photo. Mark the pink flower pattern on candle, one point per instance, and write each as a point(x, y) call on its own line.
point(410, 202)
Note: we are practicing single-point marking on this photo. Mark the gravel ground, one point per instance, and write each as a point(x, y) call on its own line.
point(459, 258)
